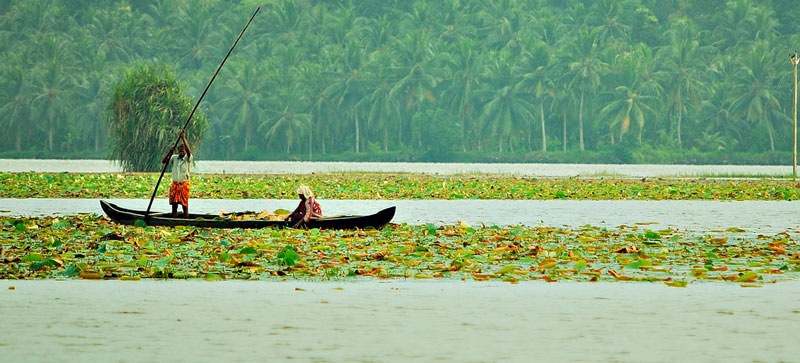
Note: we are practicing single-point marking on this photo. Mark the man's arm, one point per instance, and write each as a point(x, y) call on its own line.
point(186, 145)
point(309, 211)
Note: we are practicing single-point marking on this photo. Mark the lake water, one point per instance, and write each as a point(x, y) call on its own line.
point(396, 321)
point(516, 169)
point(755, 216)
point(370, 320)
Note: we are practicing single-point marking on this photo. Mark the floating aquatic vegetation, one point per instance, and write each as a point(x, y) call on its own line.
point(394, 186)
point(92, 247)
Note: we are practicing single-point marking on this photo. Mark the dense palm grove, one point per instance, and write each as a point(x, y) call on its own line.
point(408, 79)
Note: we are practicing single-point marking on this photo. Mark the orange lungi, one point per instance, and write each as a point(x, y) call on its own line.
point(179, 193)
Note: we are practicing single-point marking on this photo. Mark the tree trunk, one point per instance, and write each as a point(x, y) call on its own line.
point(771, 140)
point(386, 138)
point(50, 139)
point(463, 132)
point(564, 112)
point(357, 131)
point(580, 120)
point(530, 139)
point(544, 134)
point(18, 142)
point(96, 136)
point(680, 118)
point(640, 136)
point(248, 127)
point(310, 155)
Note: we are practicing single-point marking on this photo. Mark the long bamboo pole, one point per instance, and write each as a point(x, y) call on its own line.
point(155, 190)
point(794, 133)
point(794, 60)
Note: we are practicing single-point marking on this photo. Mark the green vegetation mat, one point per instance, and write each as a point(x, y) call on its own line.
point(91, 247)
point(396, 186)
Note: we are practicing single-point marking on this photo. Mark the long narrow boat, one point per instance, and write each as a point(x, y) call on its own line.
point(130, 216)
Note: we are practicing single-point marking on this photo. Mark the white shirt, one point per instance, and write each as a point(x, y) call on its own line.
point(180, 167)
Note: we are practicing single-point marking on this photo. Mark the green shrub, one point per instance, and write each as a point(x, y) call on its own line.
point(146, 110)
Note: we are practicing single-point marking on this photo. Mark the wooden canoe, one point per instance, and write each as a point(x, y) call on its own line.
point(130, 216)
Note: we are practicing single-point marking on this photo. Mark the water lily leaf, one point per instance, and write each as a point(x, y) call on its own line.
point(747, 277)
point(213, 277)
point(677, 283)
point(20, 225)
point(32, 257)
point(431, 229)
point(652, 235)
point(639, 264)
point(288, 256)
point(164, 261)
point(248, 251)
point(580, 265)
point(70, 271)
point(140, 223)
point(61, 225)
point(91, 275)
point(39, 265)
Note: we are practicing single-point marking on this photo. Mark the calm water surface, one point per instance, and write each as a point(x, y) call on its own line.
point(517, 169)
point(412, 320)
point(396, 321)
point(756, 216)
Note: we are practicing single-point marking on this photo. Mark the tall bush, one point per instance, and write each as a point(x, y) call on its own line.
point(146, 110)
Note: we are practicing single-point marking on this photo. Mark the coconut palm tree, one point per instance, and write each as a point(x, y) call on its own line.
point(242, 99)
point(536, 80)
point(15, 99)
point(682, 59)
point(287, 120)
point(632, 100)
point(754, 95)
point(200, 41)
point(585, 67)
point(459, 88)
point(416, 71)
point(348, 86)
point(53, 87)
point(506, 109)
point(381, 107)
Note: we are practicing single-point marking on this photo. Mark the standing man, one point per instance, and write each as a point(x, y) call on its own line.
point(179, 190)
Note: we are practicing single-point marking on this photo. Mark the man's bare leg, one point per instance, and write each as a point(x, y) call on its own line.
point(185, 211)
point(174, 210)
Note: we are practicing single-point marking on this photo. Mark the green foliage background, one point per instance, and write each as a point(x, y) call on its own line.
point(524, 80)
point(146, 111)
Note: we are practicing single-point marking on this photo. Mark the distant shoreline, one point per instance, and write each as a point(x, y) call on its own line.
point(511, 169)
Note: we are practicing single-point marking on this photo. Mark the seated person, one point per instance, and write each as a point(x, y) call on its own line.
point(308, 208)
